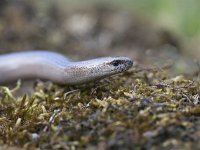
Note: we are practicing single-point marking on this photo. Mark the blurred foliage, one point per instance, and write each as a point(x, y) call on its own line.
point(179, 15)
point(182, 15)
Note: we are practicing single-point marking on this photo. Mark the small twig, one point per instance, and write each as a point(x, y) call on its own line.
point(184, 95)
point(51, 119)
point(67, 93)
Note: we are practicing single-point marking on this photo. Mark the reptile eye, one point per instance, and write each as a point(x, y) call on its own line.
point(116, 63)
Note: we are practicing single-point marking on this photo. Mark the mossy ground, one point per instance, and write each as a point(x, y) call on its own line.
point(143, 108)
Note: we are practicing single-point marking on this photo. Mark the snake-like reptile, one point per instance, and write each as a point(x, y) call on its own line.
point(58, 68)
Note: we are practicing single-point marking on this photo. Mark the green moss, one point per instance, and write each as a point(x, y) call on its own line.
point(135, 109)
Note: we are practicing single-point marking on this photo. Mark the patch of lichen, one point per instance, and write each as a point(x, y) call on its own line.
point(143, 108)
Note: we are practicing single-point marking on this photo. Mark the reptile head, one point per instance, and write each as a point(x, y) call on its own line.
point(98, 68)
point(116, 65)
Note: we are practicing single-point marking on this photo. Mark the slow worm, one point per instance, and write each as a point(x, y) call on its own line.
point(57, 68)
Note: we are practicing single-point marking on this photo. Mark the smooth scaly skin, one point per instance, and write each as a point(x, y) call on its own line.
point(57, 68)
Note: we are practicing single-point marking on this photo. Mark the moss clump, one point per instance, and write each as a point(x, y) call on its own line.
point(143, 108)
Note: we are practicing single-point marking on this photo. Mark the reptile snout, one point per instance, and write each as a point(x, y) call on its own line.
point(129, 63)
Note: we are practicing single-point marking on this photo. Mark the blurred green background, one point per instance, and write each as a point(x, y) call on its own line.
point(181, 16)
